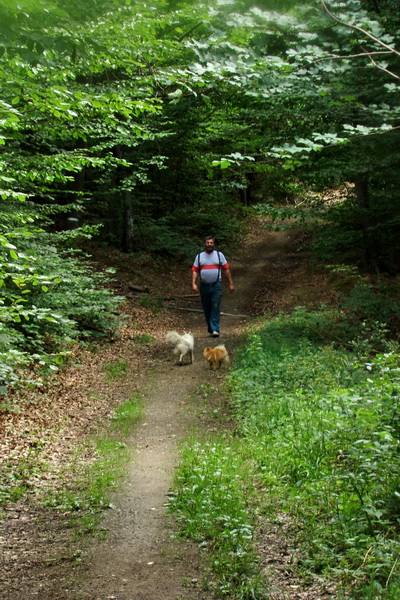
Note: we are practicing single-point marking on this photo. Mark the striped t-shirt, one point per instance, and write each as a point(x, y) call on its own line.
point(209, 265)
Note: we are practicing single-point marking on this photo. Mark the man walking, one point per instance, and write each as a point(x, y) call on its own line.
point(208, 266)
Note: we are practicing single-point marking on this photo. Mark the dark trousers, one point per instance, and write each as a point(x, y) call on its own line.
point(211, 301)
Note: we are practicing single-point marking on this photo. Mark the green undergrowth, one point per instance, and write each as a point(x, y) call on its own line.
point(87, 493)
point(317, 439)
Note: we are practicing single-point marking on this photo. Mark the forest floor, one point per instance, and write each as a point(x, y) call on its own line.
point(138, 557)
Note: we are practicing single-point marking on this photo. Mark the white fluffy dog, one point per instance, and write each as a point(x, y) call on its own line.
point(184, 345)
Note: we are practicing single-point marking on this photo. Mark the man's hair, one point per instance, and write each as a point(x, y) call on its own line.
point(210, 237)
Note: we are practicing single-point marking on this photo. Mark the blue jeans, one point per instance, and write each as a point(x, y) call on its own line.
point(211, 301)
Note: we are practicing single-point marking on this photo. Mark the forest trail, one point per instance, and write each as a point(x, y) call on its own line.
point(139, 559)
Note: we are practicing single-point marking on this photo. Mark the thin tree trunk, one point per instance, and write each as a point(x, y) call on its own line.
point(363, 200)
point(127, 237)
point(128, 233)
point(246, 194)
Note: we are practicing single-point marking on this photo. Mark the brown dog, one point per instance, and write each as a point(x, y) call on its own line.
point(216, 356)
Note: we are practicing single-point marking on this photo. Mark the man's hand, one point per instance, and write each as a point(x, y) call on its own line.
point(195, 288)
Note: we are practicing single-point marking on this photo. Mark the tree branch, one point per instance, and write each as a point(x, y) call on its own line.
point(381, 68)
point(189, 32)
point(361, 55)
point(360, 29)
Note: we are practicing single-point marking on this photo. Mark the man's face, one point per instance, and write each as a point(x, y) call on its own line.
point(210, 245)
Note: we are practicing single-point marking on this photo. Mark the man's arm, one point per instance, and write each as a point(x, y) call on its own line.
point(195, 275)
point(229, 277)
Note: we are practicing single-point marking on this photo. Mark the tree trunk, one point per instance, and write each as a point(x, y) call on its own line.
point(246, 194)
point(127, 234)
point(79, 184)
point(363, 201)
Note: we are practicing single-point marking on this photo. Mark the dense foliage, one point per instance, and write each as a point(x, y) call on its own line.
point(151, 124)
point(49, 300)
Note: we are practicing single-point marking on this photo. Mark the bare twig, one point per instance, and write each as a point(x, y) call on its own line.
point(358, 55)
point(360, 29)
point(200, 311)
point(189, 32)
point(381, 68)
point(391, 572)
point(182, 296)
point(365, 54)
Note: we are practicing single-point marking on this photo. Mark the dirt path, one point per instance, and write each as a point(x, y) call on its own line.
point(139, 559)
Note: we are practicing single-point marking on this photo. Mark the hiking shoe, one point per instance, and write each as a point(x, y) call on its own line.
point(215, 333)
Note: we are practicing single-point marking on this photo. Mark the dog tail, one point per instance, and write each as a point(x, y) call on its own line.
point(173, 337)
point(225, 360)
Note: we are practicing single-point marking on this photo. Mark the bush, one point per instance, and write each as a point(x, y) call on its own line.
point(323, 429)
point(49, 299)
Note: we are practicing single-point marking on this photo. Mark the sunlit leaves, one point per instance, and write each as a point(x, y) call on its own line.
point(233, 159)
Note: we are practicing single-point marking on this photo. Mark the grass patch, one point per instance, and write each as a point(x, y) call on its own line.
point(316, 437)
point(153, 302)
point(127, 415)
point(15, 481)
point(115, 370)
point(211, 503)
point(144, 338)
point(90, 490)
